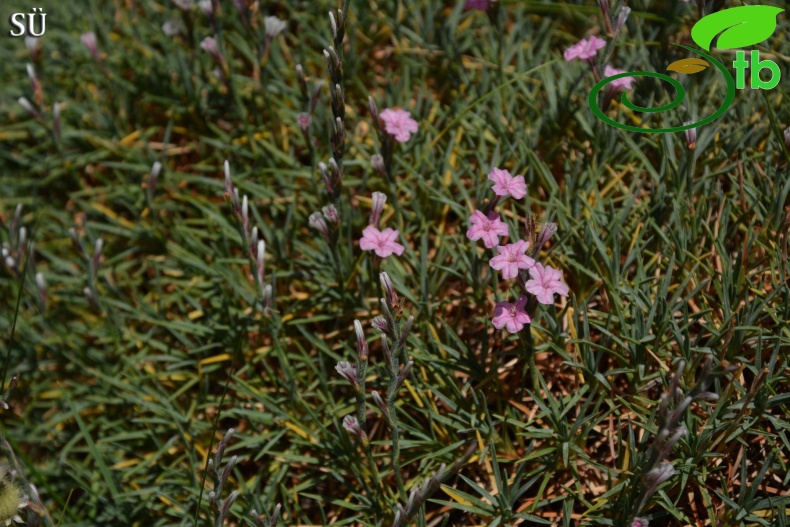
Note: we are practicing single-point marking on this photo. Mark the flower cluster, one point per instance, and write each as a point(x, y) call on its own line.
point(587, 49)
point(513, 259)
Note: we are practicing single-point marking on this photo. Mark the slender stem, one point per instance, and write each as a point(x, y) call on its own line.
point(394, 424)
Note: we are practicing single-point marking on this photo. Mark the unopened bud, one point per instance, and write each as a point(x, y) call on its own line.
point(351, 425)
point(377, 161)
point(362, 343)
point(348, 371)
point(331, 214)
point(389, 291)
point(268, 300)
point(27, 105)
point(691, 136)
point(259, 258)
point(378, 201)
point(89, 41)
point(97, 248)
point(304, 120)
point(318, 222)
point(381, 404)
point(622, 16)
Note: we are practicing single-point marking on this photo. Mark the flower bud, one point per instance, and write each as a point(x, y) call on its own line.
point(156, 169)
point(89, 41)
point(377, 161)
point(351, 425)
point(403, 374)
point(362, 343)
point(379, 199)
point(259, 261)
point(42, 288)
point(268, 299)
point(349, 372)
point(691, 136)
point(97, 248)
point(381, 404)
point(389, 292)
point(304, 120)
point(210, 46)
point(27, 105)
point(317, 221)
point(622, 16)
point(653, 479)
point(331, 214)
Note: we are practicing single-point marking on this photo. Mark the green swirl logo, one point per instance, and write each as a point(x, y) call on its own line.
point(736, 27)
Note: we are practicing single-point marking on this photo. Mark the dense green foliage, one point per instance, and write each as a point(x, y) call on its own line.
point(133, 364)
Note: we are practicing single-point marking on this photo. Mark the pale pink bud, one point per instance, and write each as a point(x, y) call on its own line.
point(318, 222)
point(210, 46)
point(304, 121)
point(331, 215)
point(691, 136)
point(379, 199)
point(622, 16)
point(348, 372)
point(351, 425)
point(89, 41)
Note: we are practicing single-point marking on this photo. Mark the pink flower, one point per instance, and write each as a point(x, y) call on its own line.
point(544, 283)
point(511, 316)
point(488, 228)
point(480, 5)
point(511, 258)
point(381, 242)
point(584, 49)
point(626, 83)
point(399, 124)
point(505, 184)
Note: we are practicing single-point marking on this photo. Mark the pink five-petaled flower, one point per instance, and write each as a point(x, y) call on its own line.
point(489, 228)
point(381, 242)
point(625, 83)
point(480, 5)
point(399, 124)
point(544, 283)
point(511, 316)
point(505, 184)
point(511, 258)
point(585, 49)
